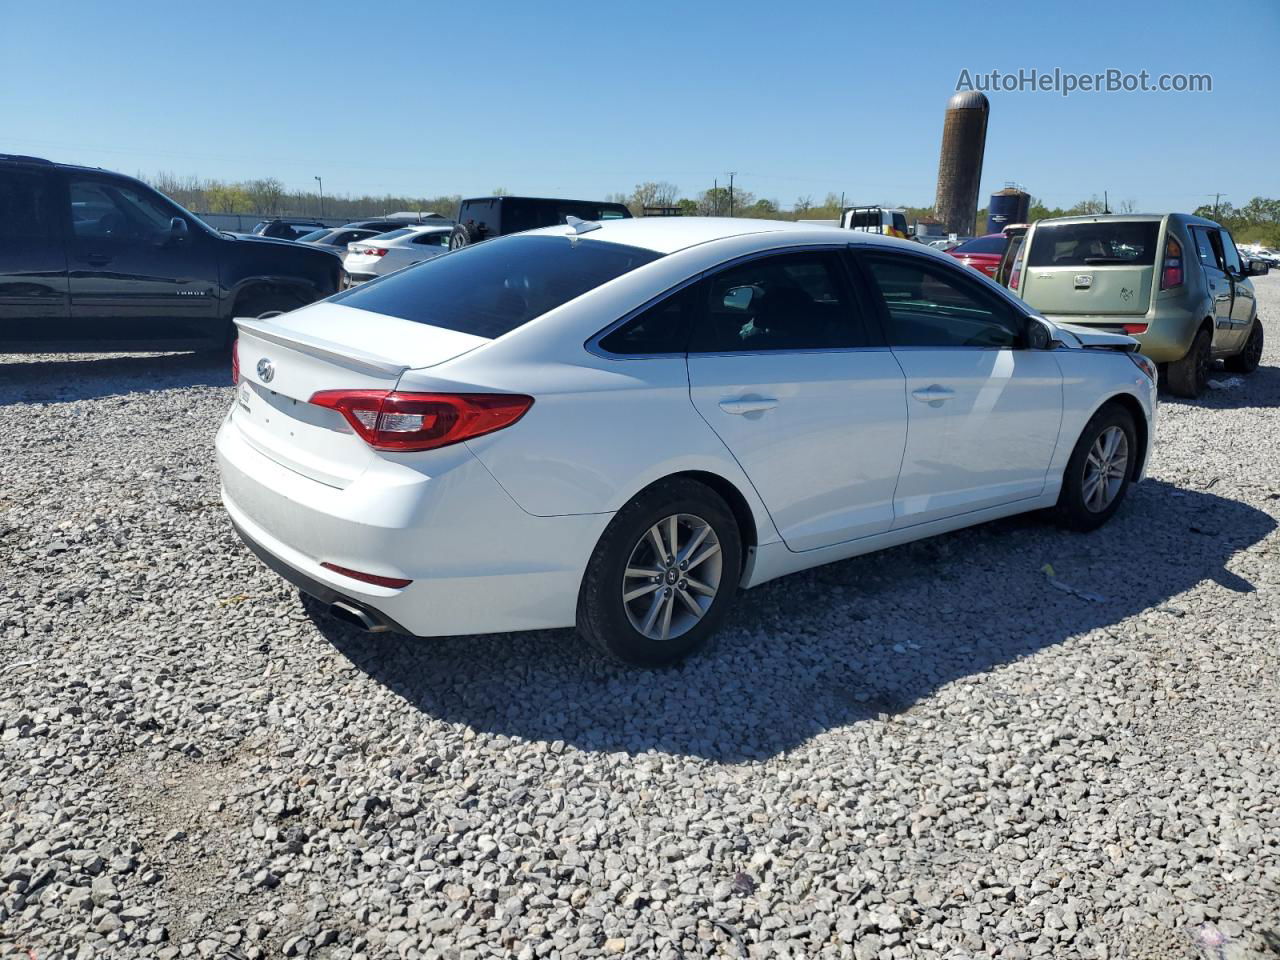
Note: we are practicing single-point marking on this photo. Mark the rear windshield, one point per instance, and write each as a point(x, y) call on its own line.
point(1094, 244)
point(314, 235)
point(491, 288)
point(992, 244)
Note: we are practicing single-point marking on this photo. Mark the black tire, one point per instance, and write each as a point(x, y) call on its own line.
point(1247, 360)
point(1073, 509)
point(602, 616)
point(1187, 377)
point(462, 236)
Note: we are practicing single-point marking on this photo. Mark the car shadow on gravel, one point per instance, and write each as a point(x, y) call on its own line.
point(852, 642)
point(64, 379)
point(1260, 389)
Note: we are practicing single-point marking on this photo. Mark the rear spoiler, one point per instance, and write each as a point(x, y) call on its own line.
point(316, 347)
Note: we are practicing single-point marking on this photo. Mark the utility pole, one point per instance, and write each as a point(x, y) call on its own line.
point(731, 176)
point(1216, 198)
point(321, 182)
point(715, 197)
point(1106, 204)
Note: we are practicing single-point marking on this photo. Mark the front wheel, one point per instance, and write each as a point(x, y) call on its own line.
point(1247, 360)
point(663, 575)
point(1099, 471)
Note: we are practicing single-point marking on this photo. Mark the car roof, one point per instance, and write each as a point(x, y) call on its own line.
point(1131, 218)
point(670, 234)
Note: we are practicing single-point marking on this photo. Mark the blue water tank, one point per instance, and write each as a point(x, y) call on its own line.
point(1007, 206)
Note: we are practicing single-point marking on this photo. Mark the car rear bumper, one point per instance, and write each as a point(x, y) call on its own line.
point(1167, 336)
point(478, 562)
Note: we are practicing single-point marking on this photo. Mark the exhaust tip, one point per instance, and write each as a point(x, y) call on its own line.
point(356, 616)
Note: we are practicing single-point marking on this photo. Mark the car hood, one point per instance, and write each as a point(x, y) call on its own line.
point(1091, 337)
point(254, 238)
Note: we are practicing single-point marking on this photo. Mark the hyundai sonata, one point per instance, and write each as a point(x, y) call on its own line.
point(618, 425)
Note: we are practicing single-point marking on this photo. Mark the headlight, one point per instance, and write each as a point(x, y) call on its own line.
point(1146, 365)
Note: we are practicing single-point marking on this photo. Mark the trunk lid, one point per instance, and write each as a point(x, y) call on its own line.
point(1101, 266)
point(1089, 290)
point(286, 360)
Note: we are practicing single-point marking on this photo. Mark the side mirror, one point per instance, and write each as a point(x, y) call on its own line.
point(1256, 268)
point(1040, 336)
point(177, 229)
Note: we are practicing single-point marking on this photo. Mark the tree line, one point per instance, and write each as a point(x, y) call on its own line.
point(268, 197)
point(1258, 221)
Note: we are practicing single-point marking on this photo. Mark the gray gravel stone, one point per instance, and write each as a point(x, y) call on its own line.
point(932, 752)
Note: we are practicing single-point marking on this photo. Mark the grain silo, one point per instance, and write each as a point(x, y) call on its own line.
point(964, 138)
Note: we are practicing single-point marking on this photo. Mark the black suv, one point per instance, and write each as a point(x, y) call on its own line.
point(485, 217)
point(91, 260)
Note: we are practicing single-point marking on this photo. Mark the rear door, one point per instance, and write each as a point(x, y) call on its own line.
point(1101, 268)
point(130, 278)
point(1208, 247)
point(983, 411)
point(33, 264)
point(785, 369)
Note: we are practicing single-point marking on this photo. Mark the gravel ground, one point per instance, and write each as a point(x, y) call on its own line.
point(932, 752)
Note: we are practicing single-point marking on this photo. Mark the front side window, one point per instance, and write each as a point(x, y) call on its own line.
point(103, 210)
point(432, 239)
point(932, 305)
point(1230, 256)
point(489, 289)
point(24, 206)
point(792, 301)
point(1094, 243)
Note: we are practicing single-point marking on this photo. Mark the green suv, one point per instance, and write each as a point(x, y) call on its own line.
point(1174, 282)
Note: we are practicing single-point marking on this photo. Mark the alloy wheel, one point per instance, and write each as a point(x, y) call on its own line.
point(672, 576)
point(1105, 469)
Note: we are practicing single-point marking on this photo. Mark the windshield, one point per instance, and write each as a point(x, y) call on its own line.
point(492, 288)
point(1090, 244)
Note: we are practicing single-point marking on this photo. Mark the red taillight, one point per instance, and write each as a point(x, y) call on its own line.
point(1171, 275)
point(1135, 328)
point(370, 251)
point(423, 421)
point(235, 361)
point(394, 582)
point(1015, 276)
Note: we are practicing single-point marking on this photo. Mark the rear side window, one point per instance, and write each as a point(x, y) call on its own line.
point(432, 239)
point(492, 288)
point(24, 206)
point(1104, 242)
point(993, 244)
point(662, 328)
point(794, 301)
point(1208, 247)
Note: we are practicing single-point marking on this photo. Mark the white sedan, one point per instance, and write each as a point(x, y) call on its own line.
point(616, 426)
point(394, 250)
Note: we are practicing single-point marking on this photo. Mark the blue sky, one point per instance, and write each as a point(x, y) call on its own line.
point(584, 99)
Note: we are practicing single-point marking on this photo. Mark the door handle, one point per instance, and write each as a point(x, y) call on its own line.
point(934, 394)
point(744, 405)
